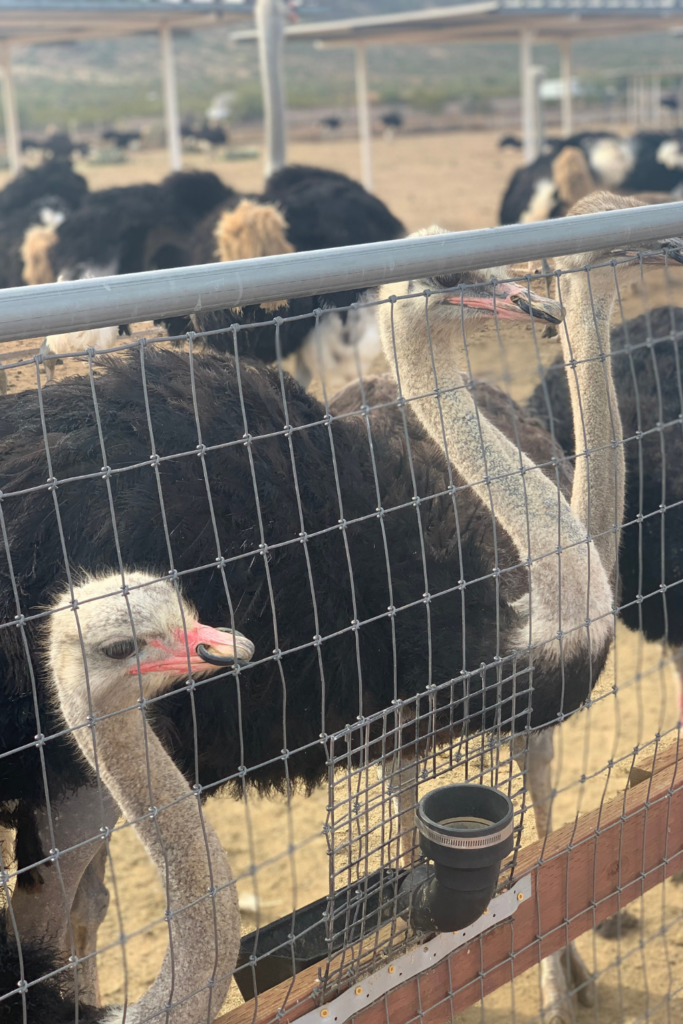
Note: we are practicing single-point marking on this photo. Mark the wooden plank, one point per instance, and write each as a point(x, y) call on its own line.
point(581, 875)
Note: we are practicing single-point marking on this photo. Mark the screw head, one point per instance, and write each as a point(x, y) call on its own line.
point(359, 991)
point(520, 896)
point(392, 969)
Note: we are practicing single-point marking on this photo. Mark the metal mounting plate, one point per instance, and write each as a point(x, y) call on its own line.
point(416, 960)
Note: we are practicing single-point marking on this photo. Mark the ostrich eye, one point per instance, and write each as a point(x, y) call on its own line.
point(448, 281)
point(120, 649)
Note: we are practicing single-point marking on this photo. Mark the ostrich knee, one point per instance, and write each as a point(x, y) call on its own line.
point(50, 371)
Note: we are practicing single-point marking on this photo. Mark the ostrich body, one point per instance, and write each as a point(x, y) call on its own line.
point(270, 512)
point(103, 658)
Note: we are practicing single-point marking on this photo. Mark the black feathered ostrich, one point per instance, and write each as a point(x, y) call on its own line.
point(140, 227)
point(278, 538)
point(115, 648)
point(648, 162)
point(311, 208)
point(32, 206)
point(647, 366)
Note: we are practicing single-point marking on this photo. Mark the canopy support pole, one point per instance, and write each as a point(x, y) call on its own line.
point(363, 109)
point(528, 98)
point(171, 116)
point(269, 16)
point(9, 110)
point(566, 77)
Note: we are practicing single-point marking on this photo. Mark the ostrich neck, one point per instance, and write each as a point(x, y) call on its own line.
point(204, 938)
point(521, 498)
point(598, 488)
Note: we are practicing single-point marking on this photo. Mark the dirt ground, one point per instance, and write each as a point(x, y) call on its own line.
point(638, 976)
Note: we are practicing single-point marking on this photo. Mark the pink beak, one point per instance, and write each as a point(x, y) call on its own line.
point(510, 301)
point(224, 648)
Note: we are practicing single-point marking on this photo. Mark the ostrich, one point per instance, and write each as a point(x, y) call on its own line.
point(255, 529)
point(122, 140)
point(109, 647)
point(32, 207)
point(141, 227)
point(590, 400)
point(325, 209)
point(338, 339)
point(649, 162)
point(646, 365)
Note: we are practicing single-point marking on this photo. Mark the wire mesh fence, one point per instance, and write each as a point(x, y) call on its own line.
point(254, 627)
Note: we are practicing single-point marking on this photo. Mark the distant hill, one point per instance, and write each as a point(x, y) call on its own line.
point(94, 83)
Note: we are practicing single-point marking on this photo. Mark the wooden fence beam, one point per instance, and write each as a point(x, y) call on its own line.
point(580, 875)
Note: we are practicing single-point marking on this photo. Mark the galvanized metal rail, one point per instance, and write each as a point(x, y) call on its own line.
point(98, 302)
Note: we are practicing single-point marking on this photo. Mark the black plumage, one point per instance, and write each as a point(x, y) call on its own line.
point(523, 184)
point(44, 999)
point(647, 365)
point(650, 172)
point(325, 209)
point(140, 227)
point(51, 189)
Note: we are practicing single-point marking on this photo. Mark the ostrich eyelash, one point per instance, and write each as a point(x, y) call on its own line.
point(120, 649)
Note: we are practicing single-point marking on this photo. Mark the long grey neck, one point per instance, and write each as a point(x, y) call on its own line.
point(204, 932)
point(522, 499)
point(599, 474)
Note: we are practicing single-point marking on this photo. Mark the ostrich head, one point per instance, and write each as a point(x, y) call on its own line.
point(653, 252)
point(449, 305)
point(113, 649)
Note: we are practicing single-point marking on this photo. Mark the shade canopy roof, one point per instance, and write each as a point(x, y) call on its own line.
point(492, 21)
point(50, 21)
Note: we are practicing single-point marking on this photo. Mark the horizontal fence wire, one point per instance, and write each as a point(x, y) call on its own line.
point(329, 604)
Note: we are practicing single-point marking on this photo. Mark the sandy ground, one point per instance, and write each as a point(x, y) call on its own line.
point(639, 976)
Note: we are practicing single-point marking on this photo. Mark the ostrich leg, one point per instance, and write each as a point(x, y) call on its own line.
point(402, 780)
point(677, 659)
point(43, 899)
point(564, 972)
